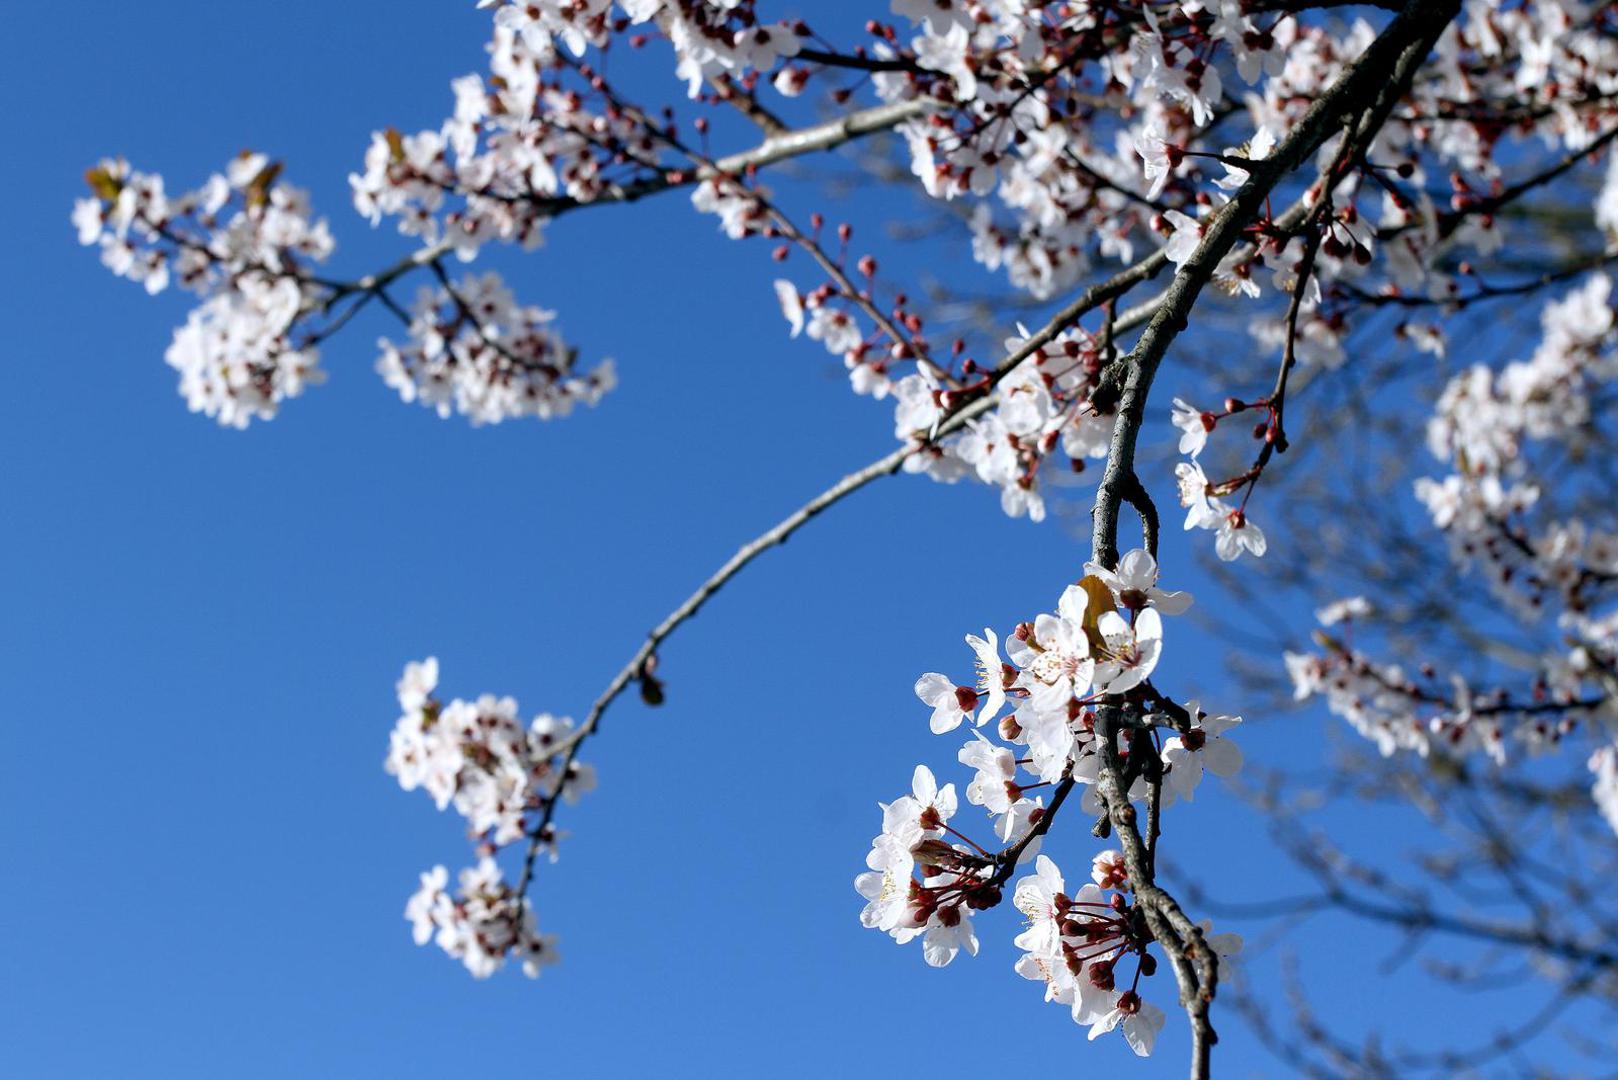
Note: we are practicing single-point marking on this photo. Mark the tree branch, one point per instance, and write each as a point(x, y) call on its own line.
point(1372, 86)
point(775, 148)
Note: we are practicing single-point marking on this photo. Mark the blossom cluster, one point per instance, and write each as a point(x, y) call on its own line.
point(1093, 128)
point(528, 144)
point(835, 312)
point(1041, 406)
point(482, 923)
point(1075, 942)
point(1504, 435)
point(830, 324)
point(505, 779)
point(1387, 705)
point(244, 242)
point(515, 152)
point(1234, 531)
point(475, 351)
point(1486, 423)
point(926, 878)
point(711, 38)
point(1020, 115)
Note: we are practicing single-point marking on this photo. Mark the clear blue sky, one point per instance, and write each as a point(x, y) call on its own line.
point(201, 628)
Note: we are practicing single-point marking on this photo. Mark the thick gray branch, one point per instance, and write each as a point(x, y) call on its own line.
point(1374, 84)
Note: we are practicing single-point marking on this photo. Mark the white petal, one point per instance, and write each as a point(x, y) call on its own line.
point(1171, 603)
point(931, 687)
point(922, 784)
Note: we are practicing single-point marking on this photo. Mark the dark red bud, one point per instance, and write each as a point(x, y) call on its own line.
point(984, 898)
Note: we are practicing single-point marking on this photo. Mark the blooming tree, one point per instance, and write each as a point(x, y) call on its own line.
point(1347, 186)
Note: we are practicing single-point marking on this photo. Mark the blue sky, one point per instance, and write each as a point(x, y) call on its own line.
point(202, 627)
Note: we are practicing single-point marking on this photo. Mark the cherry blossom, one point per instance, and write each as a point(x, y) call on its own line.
point(1130, 651)
point(1139, 1020)
point(1058, 645)
point(1109, 870)
point(1194, 425)
point(1237, 534)
point(1202, 747)
point(951, 704)
point(1185, 234)
point(1134, 584)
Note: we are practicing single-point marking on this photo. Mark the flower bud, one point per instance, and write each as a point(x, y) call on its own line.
point(983, 898)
